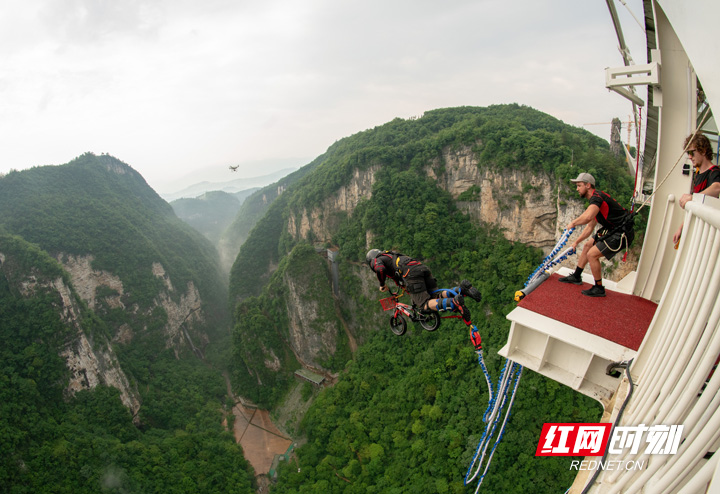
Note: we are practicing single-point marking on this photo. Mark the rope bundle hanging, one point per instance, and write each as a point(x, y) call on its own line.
point(494, 429)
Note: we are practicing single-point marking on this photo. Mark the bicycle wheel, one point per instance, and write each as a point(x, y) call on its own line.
point(430, 321)
point(398, 325)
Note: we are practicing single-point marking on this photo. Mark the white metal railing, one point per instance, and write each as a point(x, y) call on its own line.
point(659, 253)
point(672, 368)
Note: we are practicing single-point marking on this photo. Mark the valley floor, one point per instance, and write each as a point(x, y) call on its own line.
point(259, 438)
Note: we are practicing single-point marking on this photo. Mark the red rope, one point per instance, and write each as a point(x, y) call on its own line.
point(637, 166)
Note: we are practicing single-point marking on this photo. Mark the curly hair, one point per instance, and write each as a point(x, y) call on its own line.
point(702, 145)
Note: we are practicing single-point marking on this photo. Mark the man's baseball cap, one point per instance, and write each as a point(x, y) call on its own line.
point(584, 177)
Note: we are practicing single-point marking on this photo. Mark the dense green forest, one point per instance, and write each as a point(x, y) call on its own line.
point(53, 442)
point(88, 441)
point(405, 415)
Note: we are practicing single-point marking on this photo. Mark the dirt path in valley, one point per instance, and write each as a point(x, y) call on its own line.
point(259, 438)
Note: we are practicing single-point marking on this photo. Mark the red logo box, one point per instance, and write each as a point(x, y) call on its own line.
point(573, 440)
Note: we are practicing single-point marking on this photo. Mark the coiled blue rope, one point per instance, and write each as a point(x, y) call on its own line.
point(549, 261)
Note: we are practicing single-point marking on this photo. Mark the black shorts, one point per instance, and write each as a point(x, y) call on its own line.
point(614, 243)
point(419, 282)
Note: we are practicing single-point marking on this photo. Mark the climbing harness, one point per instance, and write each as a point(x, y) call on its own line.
point(541, 273)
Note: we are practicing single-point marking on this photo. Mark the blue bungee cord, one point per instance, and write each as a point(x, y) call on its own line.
point(548, 261)
point(510, 374)
point(477, 342)
point(517, 370)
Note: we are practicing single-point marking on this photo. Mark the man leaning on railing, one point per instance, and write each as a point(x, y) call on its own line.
point(706, 179)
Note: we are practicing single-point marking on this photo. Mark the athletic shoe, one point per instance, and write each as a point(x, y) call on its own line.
point(571, 278)
point(464, 311)
point(595, 291)
point(468, 290)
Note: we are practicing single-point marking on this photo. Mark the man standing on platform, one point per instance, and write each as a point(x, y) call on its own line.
point(616, 232)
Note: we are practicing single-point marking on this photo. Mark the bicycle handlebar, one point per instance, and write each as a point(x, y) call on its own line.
point(395, 290)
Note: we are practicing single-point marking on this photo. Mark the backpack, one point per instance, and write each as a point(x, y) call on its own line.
point(400, 262)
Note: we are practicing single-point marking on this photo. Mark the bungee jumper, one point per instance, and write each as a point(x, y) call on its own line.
point(414, 277)
point(419, 282)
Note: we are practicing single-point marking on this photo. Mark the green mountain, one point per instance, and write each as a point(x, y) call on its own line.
point(112, 314)
point(251, 211)
point(212, 212)
point(406, 412)
point(115, 325)
point(99, 206)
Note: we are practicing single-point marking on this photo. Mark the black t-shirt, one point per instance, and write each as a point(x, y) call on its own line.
point(702, 181)
point(611, 213)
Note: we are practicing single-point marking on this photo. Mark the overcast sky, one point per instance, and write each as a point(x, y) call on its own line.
point(173, 86)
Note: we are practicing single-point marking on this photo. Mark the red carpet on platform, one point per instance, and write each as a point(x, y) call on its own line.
point(617, 317)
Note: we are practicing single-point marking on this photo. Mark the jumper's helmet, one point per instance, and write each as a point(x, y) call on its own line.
point(372, 254)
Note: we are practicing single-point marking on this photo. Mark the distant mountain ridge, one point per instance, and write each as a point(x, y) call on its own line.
point(230, 186)
point(212, 212)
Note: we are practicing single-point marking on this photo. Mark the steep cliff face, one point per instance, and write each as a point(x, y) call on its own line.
point(180, 315)
point(323, 221)
point(89, 357)
point(524, 204)
point(313, 337)
point(87, 281)
point(89, 284)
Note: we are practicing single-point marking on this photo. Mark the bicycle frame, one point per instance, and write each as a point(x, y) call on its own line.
point(429, 320)
point(405, 309)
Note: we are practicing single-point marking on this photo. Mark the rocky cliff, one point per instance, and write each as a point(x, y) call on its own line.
point(323, 221)
point(180, 314)
point(88, 354)
point(524, 204)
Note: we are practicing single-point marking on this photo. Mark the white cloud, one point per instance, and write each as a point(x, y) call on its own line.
point(172, 86)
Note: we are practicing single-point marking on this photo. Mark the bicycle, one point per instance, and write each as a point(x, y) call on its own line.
point(428, 319)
